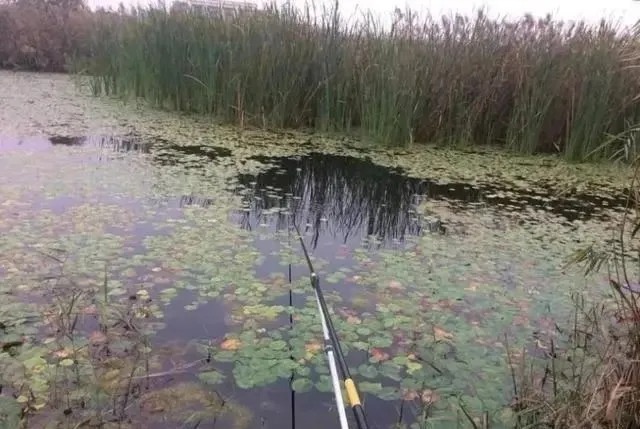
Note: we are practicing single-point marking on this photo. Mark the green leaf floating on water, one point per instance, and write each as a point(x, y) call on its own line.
point(400, 360)
point(303, 371)
point(368, 387)
point(368, 371)
point(10, 412)
point(211, 377)
point(413, 367)
point(278, 345)
point(168, 294)
point(389, 393)
point(269, 312)
point(335, 277)
point(391, 370)
point(388, 323)
point(324, 384)
point(364, 332)
point(360, 345)
point(380, 341)
point(67, 362)
point(411, 383)
point(36, 363)
point(301, 385)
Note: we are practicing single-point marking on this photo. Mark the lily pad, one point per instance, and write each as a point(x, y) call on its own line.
point(211, 377)
point(302, 385)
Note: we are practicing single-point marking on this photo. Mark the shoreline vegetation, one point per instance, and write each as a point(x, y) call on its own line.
point(587, 375)
point(530, 85)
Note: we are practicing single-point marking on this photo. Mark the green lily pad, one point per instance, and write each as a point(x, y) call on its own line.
point(324, 384)
point(10, 412)
point(211, 377)
point(368, 387)
point(368, 371)
point(364, 332)
point(302, 385)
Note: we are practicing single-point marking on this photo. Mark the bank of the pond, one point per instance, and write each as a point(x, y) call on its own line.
point(145, 262)
point(528, 85)
point(74, 112)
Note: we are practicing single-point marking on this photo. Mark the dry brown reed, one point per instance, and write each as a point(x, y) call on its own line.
point(43, 35)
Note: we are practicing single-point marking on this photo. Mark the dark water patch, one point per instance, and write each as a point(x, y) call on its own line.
point(67, 141)
point(203, 321)
point(349, 196)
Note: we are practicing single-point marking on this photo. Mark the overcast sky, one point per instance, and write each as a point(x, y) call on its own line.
point(624, 11)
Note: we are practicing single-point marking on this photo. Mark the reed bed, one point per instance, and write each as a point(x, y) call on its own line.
point(529, 85)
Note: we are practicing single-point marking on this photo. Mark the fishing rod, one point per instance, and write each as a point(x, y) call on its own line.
point(293, 392)
point(333, 351)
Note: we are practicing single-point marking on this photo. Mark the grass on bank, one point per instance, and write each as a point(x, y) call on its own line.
point(530, 85)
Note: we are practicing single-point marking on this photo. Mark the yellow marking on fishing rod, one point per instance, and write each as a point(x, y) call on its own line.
point(352, 393)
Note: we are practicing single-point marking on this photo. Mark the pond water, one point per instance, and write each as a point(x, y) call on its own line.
point(151, 276)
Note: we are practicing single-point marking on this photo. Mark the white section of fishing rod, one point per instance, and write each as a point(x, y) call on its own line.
point(338, 390)
point(335, 380)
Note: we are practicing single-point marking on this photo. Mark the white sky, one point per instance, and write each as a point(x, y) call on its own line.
point(623, 11)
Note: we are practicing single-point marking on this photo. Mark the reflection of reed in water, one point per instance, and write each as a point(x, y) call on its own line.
point(114, 143)
point(192, 200)
point(356, 196)
point(336, 195)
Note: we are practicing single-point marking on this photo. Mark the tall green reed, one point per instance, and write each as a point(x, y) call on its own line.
point(530, 85)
